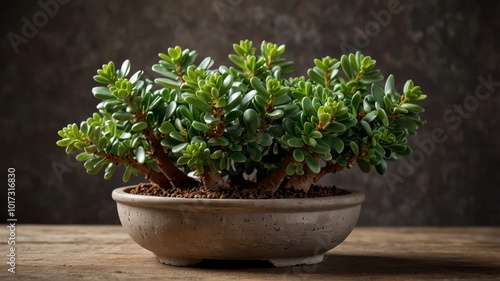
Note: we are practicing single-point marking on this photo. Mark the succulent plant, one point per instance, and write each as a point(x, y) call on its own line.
point(213, 127)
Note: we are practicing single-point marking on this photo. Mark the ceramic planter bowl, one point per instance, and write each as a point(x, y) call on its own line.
point(285, 232)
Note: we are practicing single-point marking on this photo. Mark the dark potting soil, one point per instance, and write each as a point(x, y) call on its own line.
point(236, 193)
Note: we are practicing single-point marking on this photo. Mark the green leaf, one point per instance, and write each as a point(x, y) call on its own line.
point(370, 116)
point(413, 107)
point(308, 107)
point(275, 114)
point(290, 169)
point(264, 139)
point(259, 86)
point(261, 101)
point(203, 96)
point(354, 147)
point(381, 167)
point(177, 136)
point(383, 116)
point(335, 143)
point(206, 63)
point(327, 157)
point(91, 148)
point(123, 116)
point(321, 147)
point(84, 157)
point(139, 126)
point(127, 173)
point(96, 168)
point(378, 94)
point(179, 148)
point(344, 62)
point(218, 141)
point(109, 171)
point(162, 70)
point(336, 127)
point(245, 100)
point(232, 115)
point(125, 68)
point(356, 100)
point(237, 60)
point(166, 127)
point(251, 119)
point(363, 165)
point(64, 142)
point(136, 76)
point(370, 79)
point(101, 79)
point(216, 154)
point(255, 154)
point(140, 154)
point(233, 129)
point(313, 164)
point(295, 142)
point(170, 109)
point(324, 118)
point(353, 62)
point(342, 161)
point(183, 160)
point(168, 83)
point(233, 102)
point(298, 155)
point(235, 147)
point(367, 128)
point(200, 126)
point(184, 112)
point(81, 145)
point(315, 76)
point(238, 157)
point(400, 110)
point(281, 100)
point(203, 106)
point(389, 85)
point(102, 93)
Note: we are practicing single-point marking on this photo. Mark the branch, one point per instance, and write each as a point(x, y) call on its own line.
point(302, 182)
point(272, 182)
point(150, 174)
point(213, 181)
point(333, 168)
point(173, 173)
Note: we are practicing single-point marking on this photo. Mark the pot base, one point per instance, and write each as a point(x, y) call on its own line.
point(177, 261)
point(287, 262)
point(277, 262)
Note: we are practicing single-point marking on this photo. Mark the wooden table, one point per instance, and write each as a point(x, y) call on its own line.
point(48, 252)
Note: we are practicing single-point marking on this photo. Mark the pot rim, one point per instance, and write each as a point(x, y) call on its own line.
point(121, 195)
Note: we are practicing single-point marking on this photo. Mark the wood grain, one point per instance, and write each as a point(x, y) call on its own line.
point(78, 252)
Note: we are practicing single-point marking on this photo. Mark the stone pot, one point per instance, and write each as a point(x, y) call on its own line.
point(285, 232)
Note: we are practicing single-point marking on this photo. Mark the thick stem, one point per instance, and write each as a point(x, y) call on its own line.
point(150, 174)
point(301, 182)
point(305, 181)
point(332, 168)
point(272, 182)
point(177, 177)
point(213, 181)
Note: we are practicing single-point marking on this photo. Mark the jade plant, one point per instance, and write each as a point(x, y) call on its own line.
point(246, 124)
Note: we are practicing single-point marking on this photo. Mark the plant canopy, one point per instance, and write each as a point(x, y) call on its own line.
point(215, 127)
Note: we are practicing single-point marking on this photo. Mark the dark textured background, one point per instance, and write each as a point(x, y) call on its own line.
point(444, 46)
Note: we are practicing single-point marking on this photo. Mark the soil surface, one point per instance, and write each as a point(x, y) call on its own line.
point(236, 193)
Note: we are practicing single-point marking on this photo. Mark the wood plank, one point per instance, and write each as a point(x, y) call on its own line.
point(76, 252)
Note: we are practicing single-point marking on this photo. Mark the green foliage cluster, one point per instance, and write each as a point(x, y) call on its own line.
point(216, 123)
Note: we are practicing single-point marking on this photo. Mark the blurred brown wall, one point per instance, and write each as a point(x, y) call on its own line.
point(50, 50)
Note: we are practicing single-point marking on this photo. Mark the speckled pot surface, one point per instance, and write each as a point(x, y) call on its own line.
point(286, 232)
